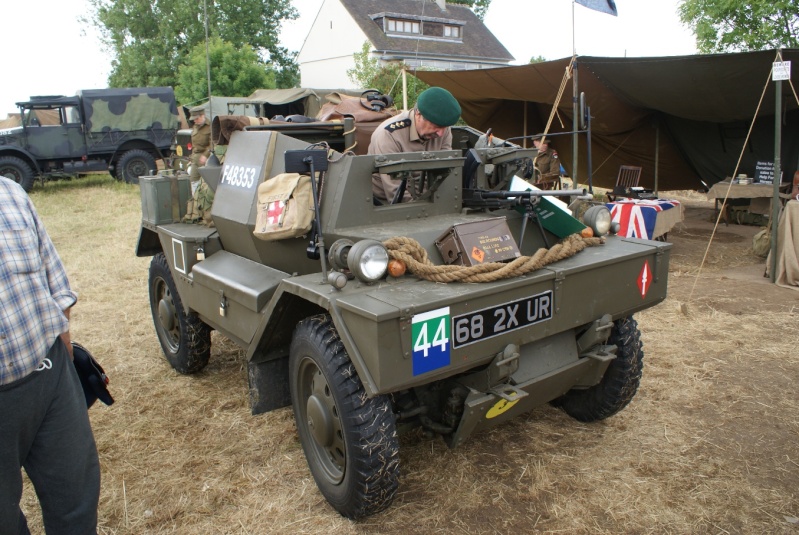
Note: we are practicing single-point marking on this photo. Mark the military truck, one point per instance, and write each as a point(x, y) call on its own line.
point(122, 131)
point(453, 313)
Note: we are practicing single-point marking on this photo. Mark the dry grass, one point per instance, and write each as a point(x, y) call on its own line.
point(709, 445)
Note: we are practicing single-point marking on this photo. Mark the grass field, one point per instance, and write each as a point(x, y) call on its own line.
point(709, 444)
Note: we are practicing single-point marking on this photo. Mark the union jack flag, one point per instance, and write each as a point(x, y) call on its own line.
point(637, 218)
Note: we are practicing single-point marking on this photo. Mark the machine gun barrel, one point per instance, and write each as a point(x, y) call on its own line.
point(476, 198)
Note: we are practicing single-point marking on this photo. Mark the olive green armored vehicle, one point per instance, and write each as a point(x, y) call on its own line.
point(453, 313)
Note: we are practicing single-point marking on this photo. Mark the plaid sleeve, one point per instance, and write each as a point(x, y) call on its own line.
point(57, 279)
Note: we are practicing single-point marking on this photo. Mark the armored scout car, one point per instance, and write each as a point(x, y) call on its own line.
point(123, 131)
point(453, 313)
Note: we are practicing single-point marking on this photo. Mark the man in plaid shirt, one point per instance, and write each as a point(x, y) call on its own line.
point(44, 425)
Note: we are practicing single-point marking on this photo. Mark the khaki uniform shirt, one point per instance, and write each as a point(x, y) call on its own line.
point(398, 134)
point(201, 139)
point(200, 146)
point(547, 164)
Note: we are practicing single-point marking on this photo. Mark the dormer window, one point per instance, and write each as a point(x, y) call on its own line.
point(453, 32)
point(403, 26)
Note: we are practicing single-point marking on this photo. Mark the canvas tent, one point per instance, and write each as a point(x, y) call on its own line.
point(271, 102)
point(690, 113)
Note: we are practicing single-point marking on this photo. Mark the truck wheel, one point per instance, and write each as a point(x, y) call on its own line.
point(350, 441)
point(620, 382)
point(185, 338)
point(133, 164)
point(17, 170)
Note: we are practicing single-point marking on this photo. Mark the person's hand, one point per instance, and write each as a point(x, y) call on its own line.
point(203, 159)
point(67, 339)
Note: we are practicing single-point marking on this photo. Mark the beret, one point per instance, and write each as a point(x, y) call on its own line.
point(438, 106)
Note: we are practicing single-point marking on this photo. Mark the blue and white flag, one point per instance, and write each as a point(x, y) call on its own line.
point(604, 6)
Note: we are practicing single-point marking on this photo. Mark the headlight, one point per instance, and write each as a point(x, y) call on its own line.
point(368, 260)
point(598, 218)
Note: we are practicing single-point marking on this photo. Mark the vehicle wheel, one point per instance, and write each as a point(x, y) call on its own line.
point(133, 164)
point(185, 338)
point(620, 382)
point(18, 170)
point(350, 441)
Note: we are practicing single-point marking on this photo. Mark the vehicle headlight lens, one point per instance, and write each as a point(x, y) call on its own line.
point(368, 260)
point(598, 218)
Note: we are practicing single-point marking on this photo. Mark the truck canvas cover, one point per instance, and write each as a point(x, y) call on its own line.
point(130, 109)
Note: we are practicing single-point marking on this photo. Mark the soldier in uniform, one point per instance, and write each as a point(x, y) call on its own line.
point(198, 209)
point(547, 164)
point(424, 128)
point(200, 142)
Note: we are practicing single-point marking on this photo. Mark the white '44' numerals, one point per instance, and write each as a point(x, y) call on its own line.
point(440, 339)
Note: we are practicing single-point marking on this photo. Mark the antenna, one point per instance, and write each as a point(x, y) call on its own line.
point(208, 66)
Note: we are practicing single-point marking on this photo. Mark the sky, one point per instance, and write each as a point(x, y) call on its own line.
point(68, 56)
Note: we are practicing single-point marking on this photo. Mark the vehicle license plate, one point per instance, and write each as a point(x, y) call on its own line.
point(494, 321)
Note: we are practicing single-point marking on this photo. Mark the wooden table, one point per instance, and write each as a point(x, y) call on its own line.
point(737, 191)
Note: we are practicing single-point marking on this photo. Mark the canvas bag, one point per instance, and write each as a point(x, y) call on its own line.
point(285, 207)
point(339, 106)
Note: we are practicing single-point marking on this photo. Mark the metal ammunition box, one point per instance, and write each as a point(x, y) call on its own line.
point(469, 244)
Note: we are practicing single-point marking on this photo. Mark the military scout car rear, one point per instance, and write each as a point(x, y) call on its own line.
point(123, 131)
point(453, 313)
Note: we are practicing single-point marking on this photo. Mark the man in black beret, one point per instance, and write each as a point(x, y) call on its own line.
point(424, 128)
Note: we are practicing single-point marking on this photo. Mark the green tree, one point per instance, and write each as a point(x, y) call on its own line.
point(234, 72)
point(738, 25)
point(480, 7)
point(152, 39)
point(537, 59)
point(369, 74)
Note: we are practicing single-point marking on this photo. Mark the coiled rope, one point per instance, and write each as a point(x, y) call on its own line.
point(417, 262)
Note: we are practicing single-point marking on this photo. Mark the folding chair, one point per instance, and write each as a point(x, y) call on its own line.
point(548, 183)
point(628, 178)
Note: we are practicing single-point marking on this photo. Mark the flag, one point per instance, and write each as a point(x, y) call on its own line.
point(637, 219)
point(604, 6)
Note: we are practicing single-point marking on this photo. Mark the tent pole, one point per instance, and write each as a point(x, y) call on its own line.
point(588, 152)
point(525, 125)
point(657, 153)
point(575, 105)
point(575, 120)
point(775, 200)
point(404, 90)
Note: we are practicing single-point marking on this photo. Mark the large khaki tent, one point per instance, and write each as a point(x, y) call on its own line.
point(691, 114)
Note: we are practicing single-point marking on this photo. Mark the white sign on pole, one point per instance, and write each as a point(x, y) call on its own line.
point(781, 71)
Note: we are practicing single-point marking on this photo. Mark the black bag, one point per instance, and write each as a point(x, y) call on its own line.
point(92, 376)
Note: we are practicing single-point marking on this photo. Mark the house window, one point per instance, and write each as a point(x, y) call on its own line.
point(453, 32)
point(402, 26)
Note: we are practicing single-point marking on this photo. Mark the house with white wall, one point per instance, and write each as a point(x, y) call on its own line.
point(422, 33)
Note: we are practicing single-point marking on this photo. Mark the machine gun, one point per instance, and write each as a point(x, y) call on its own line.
point(528, 202)
point(491, 200)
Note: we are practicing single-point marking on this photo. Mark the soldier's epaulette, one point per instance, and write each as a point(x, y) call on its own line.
point(398, 125)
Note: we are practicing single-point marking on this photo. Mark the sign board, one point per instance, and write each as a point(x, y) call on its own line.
point(764, 173)
point(781, 71)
